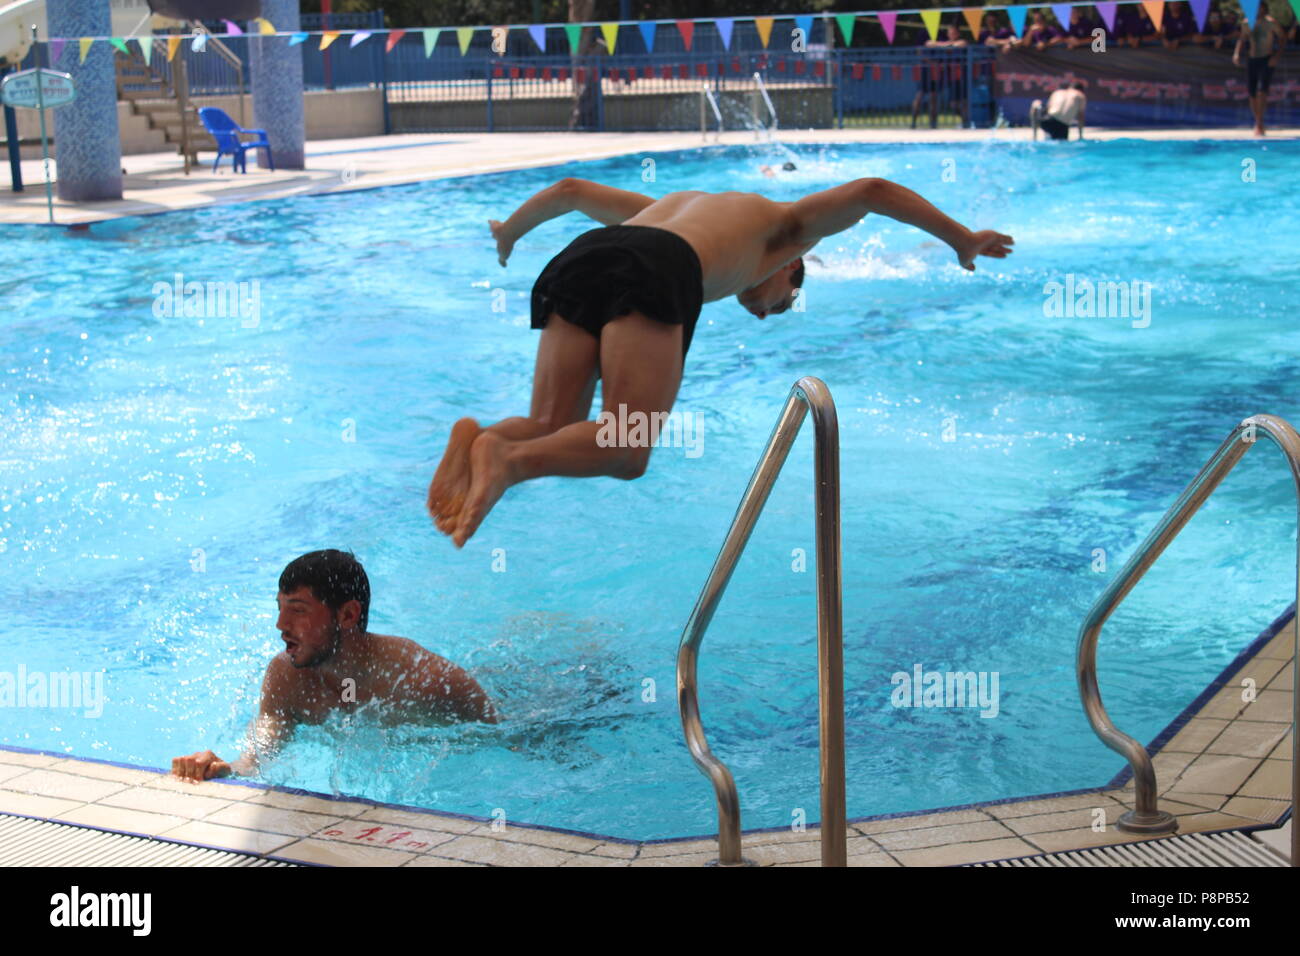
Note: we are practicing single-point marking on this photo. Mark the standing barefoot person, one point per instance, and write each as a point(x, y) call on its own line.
point(620, 303)
point(1264, 41)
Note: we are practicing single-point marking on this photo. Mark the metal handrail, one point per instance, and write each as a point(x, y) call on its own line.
point(1146, 817)
point(231, 57)
point(807, 394)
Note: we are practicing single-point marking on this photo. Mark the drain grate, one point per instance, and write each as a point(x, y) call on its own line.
point(28, 842)
point(1227, 848)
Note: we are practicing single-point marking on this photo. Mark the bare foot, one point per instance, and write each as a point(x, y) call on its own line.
point(490, 477)
point(452, 479)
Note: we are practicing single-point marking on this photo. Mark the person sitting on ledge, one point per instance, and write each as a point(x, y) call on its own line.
point(331, 662)
point(1065, 108)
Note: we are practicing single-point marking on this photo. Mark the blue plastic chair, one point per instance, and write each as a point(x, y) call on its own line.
point(227, 132)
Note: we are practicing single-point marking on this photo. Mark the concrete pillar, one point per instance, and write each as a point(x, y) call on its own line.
point(275, 69)
point(88, 146)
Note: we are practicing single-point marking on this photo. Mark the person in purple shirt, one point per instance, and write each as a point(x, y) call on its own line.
point(1040, 36)
point(1218, 30)
point(1000, 38)
point(1081, 27)
point(1178, 26)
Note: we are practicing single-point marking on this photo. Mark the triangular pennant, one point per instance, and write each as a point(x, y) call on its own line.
point(538, 33)
point(199, 43)
point(724, 30)
point(687, 29)
point(648, 34)
point(1251, 9)
point(464, 35)
point(394, 36)
point(804, 23)
point(297, 38)
point(1201, 8)
point(764, 25)
point(85, 44)
point(233, 28)
point(973, 16)
point(574, 32)
point(264, 26)
point(1295, 6)
point(359, 37)
point(328, 37)
point(610, 32)
point(173, 44)
point(931, 20)
point(56, 49)
point(888, 21)
point(1017, 15)
point(1156, 11)
point(146, 48)
point(430, 40)
point(846, 22)
point(120, 44)
point(1062, 11)
point(1107, 11)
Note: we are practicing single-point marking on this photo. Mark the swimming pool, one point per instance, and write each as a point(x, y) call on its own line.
point(160, 471)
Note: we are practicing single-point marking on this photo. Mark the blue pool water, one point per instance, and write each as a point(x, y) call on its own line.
point(130, 442)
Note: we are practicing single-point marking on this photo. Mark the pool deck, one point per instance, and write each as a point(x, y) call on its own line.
point(1227, 767)
point(156, 183)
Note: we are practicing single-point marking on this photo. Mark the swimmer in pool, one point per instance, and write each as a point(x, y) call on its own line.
point(331, 662)
point(620, 303)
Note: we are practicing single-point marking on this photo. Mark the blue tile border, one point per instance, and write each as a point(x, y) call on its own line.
point(1117, 781)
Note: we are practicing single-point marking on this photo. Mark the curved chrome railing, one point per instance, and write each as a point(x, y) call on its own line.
point(1146, 817)
point(807, 394)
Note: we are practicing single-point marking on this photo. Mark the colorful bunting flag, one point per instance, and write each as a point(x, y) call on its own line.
point(610, 30)
point(1017, 15)
point(146, 48)
point(687, 29)
point(846, 22)
point(264, 26)
point(888, 20)
point(233, 28)
point(931, 20)
point(430, 40)
point(359, 37)
point(538, 33)
point(1107, 11)
point(328, 37)
point(85, 44)
point(973, 16)
point(297, 38)
point(764, 25)
point(648, 34)
point(200, 42)
point(120, 44)
point(1295, 6)
point(464, 35)
point(1155, 10)
point(1201, 8)
point(724, 30)
point(173, 44)
point(1062, 11)
point(393, 37)
point(56, 50)
point(574, 32)
point(804, 23)
point(1251, 9)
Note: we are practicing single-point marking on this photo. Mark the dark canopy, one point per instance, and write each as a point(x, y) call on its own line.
point(207, 9)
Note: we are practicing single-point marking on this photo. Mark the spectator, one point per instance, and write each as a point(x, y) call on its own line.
point(1000, 38)
point(1218, 30)
point(1144, 31)
point(931, 86)
point(1178, 26)
point(1041, 35)
point(1080, 29)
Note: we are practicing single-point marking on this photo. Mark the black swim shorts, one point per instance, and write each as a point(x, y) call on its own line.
point(1258, 75)
point(613, 270)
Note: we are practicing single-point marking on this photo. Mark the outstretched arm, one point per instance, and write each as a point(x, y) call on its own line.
point(834, 210)
point(604, 204)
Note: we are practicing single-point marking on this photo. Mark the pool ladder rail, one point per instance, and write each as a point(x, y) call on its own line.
point(807, 394)
point(1147, 817)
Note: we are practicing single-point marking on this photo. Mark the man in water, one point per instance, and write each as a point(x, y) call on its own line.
point(331, 662)
point(620, 303)
point(1065, 108)
point(1264, 41)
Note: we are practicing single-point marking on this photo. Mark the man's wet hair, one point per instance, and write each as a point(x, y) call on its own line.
point(1077, 85)
point(796, 277)
point(334, 577)
point(788, 166)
